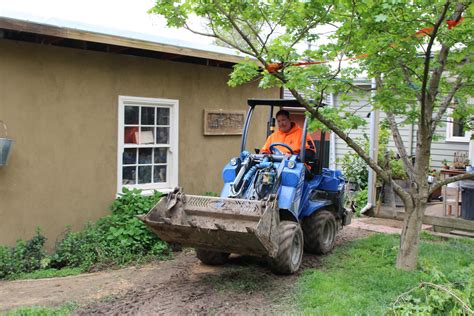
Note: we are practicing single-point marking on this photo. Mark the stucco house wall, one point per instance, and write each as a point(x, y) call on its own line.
point(61, 107)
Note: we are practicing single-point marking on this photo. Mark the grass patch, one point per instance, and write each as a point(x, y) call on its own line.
point(64, 309)
point(426, 236)
point(47, 273)
point(360, 277)
point(240, 280)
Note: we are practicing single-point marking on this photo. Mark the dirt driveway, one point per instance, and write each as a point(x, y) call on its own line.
point(179, 286)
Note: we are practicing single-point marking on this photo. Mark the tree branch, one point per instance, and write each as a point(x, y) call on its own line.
point(437, 73)
point(405, 196)
point(308, 27)
point(360, 88)
point(445, 103)
point(426, 70)
point(397, 138)
point(255, 33)
point(439, 184)
point(442, 59)
point(406, 74)
point(241, 33)
point(217, 36)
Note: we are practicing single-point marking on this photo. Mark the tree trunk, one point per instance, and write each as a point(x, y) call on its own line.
point(410, 238)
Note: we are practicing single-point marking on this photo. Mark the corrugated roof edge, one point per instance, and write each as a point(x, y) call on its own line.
point(87, 32)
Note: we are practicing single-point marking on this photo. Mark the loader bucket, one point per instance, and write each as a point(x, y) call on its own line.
point(240, 226)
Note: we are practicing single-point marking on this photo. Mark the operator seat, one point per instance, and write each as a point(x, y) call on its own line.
point(311, 160)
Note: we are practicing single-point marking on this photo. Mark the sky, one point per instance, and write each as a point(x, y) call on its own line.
point(129, 15)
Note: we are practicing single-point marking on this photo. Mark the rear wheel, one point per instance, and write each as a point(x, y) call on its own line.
point(319, 231)
point(213, 258)
point(290, 249)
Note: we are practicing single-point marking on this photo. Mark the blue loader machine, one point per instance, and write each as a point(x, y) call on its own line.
point(273, 205)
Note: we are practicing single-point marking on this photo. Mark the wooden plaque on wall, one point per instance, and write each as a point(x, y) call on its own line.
point(223, 122)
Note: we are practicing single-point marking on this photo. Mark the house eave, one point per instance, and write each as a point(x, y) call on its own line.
point(55, 35)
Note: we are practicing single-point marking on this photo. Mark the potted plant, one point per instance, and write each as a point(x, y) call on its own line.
point(445, 164)
point(459, 161)
point(467, 162)
point(458, 165)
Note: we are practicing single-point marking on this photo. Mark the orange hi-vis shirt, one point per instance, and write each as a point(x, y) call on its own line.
point(292, 138)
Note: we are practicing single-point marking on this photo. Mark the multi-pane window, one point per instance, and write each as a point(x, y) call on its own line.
point(147, 140)
point(456, 129)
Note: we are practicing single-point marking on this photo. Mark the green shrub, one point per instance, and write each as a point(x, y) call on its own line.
point(116, 239)
point(398, 169)
point(360, 200)
point(78, 249)
point(355, 169)
point(25, 256)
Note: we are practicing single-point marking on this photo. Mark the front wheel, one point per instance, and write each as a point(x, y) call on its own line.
point(290, 249)
point(319, 231)
point(212, 258)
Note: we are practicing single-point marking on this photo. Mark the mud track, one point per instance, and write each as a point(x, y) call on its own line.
point(243, 286)
point(183, 285)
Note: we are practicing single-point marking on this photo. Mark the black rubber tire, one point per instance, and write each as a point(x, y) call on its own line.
point(319, 230)
point(290, 249)
point(212, 258)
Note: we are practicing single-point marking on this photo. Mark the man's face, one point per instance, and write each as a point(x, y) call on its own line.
point(284, 123)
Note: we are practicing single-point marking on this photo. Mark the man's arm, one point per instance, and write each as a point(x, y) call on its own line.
point(266, 148)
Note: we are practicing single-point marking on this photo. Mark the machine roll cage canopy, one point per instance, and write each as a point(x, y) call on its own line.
point(280, 103)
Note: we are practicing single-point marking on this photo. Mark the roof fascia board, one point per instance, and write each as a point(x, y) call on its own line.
point(76, 34)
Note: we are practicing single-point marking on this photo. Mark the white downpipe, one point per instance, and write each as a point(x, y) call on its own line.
point(373, 149)
point(367, 207)
point(471, 151)
point(332, 140)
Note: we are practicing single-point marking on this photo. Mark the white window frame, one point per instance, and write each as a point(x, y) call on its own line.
point(172, 157)
point(449, 130)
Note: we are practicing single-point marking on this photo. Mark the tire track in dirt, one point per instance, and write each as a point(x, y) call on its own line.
point(243, 286)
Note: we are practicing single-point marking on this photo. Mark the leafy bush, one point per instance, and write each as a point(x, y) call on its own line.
point(25, 256)
point(360, 200)
point(355, 170)
point(116, 239)
point(398, 169)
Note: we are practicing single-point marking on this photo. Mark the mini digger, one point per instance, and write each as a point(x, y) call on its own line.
point(275, 205)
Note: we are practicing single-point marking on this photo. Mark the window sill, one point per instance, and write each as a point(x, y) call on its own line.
point(457, 140)
point(149, 192)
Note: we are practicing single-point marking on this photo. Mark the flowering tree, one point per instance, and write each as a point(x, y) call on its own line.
point(420, 53)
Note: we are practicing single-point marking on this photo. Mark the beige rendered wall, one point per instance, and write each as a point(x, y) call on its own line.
point(61, 108)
